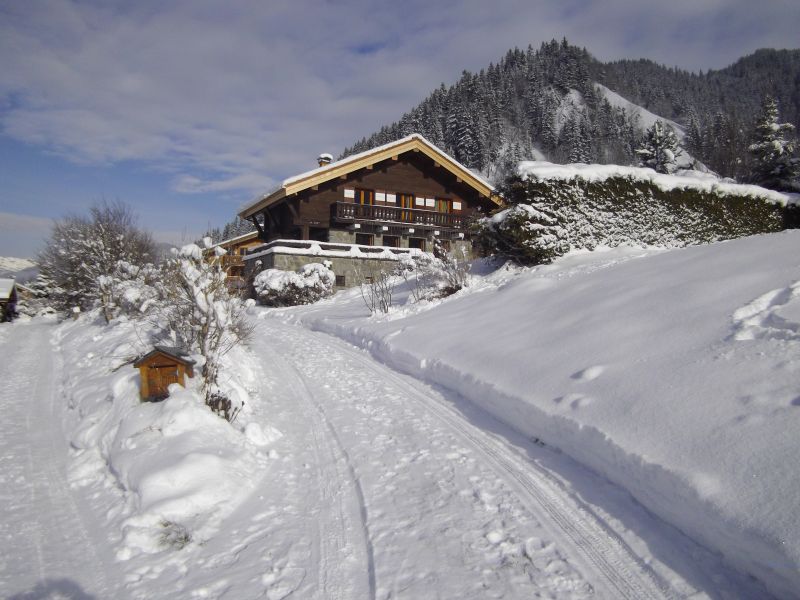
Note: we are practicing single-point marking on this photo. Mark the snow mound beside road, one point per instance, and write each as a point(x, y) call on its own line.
point(673, 375)
point(181, 469)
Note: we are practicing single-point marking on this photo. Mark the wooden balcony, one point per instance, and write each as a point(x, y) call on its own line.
point(378, 213)
point(232, 260)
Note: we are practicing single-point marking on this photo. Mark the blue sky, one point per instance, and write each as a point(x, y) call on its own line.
point(188, 109)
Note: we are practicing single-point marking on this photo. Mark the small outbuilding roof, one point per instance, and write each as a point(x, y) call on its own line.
point(178, 354)
point(6, 288)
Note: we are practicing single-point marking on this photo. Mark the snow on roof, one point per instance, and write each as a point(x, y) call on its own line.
point(238, 238)
point(355, 157)
point(400, 142)
point(6, 287)
point(683, 180)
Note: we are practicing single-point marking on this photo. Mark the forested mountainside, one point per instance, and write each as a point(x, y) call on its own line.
point(561, 103)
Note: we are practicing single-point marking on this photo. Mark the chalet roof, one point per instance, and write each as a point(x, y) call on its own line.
point(6, 288)
point(178, 354)
point(303, 181)
point(239, 238)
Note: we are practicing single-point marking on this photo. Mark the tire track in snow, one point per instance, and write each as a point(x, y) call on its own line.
point(625, 574)
point(338, 545)
point(50, 527)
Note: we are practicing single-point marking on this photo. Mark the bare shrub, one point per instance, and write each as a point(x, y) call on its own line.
point(174, 536)
point(376, 290)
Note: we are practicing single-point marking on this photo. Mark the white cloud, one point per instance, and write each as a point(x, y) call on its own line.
point(231, 97)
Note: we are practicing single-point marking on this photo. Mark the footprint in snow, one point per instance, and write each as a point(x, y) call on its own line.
point(589, 373)
point(580, 401)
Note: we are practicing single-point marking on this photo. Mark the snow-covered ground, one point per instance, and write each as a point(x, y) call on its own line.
point(21, 269)
point(493, 454)
point(12, 264)
point(673, 375)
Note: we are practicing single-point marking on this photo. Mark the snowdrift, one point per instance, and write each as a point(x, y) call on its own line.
point(178, 468)
point(674, 375)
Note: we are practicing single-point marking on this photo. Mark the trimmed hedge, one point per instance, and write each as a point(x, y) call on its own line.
point(623, 210)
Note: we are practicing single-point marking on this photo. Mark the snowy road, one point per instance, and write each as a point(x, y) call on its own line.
point(380, 488)
point(411, 500)
point(50, 547)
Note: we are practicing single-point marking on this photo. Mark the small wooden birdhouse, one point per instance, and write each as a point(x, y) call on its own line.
point(159, 368)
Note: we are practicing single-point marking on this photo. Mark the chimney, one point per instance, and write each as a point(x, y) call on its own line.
point(324, 159)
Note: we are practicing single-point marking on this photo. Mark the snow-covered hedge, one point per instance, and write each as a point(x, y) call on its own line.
point(312, 282)
point(609, 205)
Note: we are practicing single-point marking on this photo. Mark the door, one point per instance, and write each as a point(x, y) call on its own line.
point(159, 377)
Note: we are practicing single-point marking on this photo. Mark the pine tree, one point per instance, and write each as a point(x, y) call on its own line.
point(660, 148)
point(776, 166)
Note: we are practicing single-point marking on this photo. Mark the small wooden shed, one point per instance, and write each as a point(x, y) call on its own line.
point(159, 368)
point(8, 299)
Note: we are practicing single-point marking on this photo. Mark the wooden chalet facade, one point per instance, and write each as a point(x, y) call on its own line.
point(232, 261)
point(400, 197)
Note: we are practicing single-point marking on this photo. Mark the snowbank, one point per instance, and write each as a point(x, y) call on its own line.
point(685, 180)
point(180, 468)
point(674, 375)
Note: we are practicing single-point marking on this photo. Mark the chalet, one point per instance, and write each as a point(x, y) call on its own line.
point(8, 299)
point(233, 260)
point(368, 209)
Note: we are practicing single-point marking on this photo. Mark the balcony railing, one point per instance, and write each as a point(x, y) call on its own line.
point(395, 214)
point(232, 260)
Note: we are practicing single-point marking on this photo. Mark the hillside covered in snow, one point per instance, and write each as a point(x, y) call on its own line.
point(558, 103)
point(671, 373)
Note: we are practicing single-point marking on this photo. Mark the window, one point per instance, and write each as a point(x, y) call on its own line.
point(418, 243)
point(364, 239)
point(365, 197)
point(380, 197)
point(456, 206)
point(349, 193)
point(318, 234)
point(393, 241)
point(442, 205)
point(406, 201)
point(340, 281)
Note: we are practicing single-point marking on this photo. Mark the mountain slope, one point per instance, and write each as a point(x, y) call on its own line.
point(514, 109)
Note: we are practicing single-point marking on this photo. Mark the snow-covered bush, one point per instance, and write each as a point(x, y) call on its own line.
point(773, 149)
point(82, 255)
point(201, 314)
point(660, 148)
point(311, 282)
point(530, 232)
point(549, 216)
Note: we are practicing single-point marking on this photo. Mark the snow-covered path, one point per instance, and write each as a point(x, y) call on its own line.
point(50, 546)
point(381, 487)
point(417, 502)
